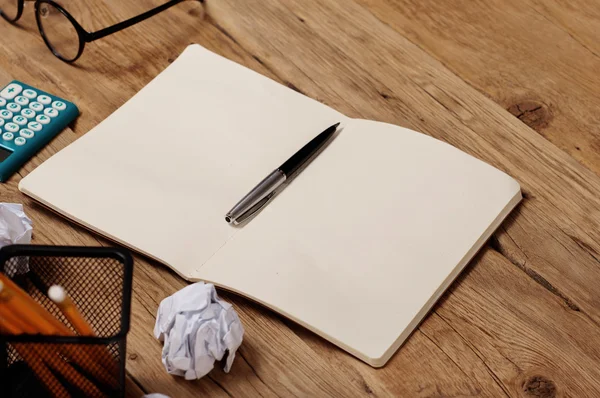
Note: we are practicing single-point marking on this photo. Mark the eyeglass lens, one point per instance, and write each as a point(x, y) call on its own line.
point(9, 8)
point(59, 31)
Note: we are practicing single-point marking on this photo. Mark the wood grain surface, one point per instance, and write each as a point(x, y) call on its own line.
point(512, 83)
point(537, 59)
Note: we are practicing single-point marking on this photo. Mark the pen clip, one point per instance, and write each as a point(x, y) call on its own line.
point(254, 209)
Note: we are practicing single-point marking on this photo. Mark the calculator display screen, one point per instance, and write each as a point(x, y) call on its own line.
point(4, 153)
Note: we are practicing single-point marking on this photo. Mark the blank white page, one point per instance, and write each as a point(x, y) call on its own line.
point(159, 174)
point(366, 239)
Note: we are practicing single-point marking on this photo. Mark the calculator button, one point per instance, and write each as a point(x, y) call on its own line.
point(11, 91)
point(13, 128)
point(20, 141)
point(44, 100)
point(1, 122)
point(26, 133)
point(51, 112)
point(2, 102)
point(59, 105)
point(43, 119)
point(13, 107)
point(35, 126)
point(20, 120)
point(22, 100)
point(28, 113)
point(6, 114)
point(29, 93)
point(36, 106)
point(8, 136)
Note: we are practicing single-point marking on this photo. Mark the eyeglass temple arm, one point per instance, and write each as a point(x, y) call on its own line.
point(132, 21)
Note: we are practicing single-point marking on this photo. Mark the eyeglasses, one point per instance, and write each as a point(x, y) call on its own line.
point(63, 35)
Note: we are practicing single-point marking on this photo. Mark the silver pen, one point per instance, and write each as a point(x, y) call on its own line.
point(260, 195)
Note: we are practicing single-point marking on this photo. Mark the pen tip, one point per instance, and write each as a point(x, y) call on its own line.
point(335, 125)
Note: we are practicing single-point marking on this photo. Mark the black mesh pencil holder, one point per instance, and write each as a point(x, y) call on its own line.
point(98, 280)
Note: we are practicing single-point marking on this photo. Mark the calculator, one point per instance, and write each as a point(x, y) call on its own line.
point(29, 119)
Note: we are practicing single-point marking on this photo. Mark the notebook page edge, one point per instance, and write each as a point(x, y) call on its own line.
point(514, 202)
point(381, 361)
point(185, 275)
point(502, 215)
point(29, 183)
point(379, 358)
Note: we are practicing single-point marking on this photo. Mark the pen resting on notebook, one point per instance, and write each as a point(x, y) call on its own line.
point(264, 191)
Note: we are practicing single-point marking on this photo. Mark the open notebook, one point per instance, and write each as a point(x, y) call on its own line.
point(357, 248)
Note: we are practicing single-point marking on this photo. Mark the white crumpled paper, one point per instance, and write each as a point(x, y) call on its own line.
point(198, 329)
point(15, 228)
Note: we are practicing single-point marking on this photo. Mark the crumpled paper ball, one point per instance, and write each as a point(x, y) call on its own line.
point(197, 328)
point(15, 228)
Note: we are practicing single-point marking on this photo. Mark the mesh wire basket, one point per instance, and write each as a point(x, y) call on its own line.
point(98, 280)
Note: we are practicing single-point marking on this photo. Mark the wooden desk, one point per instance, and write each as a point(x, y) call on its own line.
point(514, 83)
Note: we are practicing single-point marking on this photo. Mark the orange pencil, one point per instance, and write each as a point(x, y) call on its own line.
point(58, 295)
point(10, 325)
point(14, 325)
point(65, 304)
point(45, 320)
point(42, 372)
point(45, 323)
point(29, 310)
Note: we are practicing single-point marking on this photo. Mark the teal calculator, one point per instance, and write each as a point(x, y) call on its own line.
point(29, 119)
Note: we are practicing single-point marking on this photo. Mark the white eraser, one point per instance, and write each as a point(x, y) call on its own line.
point(57, 294)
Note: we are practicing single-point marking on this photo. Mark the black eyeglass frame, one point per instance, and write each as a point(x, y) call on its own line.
point(83, 35)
